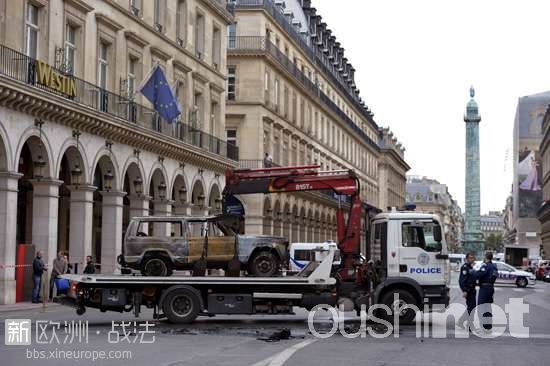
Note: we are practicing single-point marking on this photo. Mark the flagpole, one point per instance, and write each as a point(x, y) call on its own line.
point(148, 76)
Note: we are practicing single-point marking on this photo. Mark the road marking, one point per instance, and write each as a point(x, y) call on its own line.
point(279, 359)
point(518, 290)
point(539, 290)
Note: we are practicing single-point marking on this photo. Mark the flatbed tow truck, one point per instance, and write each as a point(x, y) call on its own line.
point(405, 255)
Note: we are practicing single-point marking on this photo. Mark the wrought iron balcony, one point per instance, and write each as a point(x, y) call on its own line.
point(314, 54)
point(20, 67)
point(260, 44)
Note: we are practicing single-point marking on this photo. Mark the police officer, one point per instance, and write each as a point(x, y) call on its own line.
point(487, 275)
point(467, 283)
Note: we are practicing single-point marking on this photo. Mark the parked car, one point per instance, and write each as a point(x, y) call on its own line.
point(301, 254)
point(456, 261)
point(510, 275)
point(542, 269)
point(157, 246)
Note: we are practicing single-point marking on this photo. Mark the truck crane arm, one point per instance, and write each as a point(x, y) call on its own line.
point(309, 178)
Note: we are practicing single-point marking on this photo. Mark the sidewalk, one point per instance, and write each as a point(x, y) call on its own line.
point(27, 305)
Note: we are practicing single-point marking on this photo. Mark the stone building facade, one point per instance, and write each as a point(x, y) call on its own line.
point(433, 197)
point(492, 223)
point(292, 96)
point(80, 151)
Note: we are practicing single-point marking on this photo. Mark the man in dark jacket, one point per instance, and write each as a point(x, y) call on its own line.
point(90, 268)
point(487, 275)
point(467, 283)
point(38, 268)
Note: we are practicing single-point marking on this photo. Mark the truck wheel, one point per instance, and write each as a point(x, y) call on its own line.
point(181, 306)
point(156, 267)
point(263, 264)
point(406, 316)
point(522, 282)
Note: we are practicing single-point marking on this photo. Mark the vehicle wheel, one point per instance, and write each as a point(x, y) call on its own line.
point(263, 264)
point(522, 282)
point(156, 267)
point(181, 306)
point(405, 298)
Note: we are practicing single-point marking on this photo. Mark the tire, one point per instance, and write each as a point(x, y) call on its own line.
point(522, 282)
point(156, 267)
point(263, 264)
point(181, 305)
point(405, 297)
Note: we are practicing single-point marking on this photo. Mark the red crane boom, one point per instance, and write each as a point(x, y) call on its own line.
point(309, 178)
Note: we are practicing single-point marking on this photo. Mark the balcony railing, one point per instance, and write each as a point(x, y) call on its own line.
point(257, 44)
point(313, 53)
point(20, 67)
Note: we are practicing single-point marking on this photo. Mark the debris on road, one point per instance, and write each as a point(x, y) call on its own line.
point(282, 334)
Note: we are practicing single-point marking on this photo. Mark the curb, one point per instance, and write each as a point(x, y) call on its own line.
point(25, 307)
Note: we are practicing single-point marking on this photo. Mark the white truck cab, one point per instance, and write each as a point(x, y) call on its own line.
point(410, 246)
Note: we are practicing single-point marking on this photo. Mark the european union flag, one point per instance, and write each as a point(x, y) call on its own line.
point(157, 90)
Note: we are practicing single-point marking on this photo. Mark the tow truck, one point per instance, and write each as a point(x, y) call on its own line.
point(405, 254)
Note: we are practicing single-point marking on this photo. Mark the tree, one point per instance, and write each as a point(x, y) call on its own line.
point(493, 242)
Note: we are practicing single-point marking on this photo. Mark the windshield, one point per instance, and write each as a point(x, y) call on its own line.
point(420, 234)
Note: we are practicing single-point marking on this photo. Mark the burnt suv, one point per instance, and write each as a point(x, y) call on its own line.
point(158, 245)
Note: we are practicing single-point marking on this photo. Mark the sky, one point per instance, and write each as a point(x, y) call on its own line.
point(415, 62)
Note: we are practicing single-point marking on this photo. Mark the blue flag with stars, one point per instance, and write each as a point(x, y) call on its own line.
point(157, 90)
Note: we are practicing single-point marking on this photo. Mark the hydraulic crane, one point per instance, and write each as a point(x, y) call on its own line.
point(310, 178)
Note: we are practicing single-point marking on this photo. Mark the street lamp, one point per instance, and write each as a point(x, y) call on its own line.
point(138, 185)
point(162, 190)
point(108, 180)
point(200, 199)
point(76, 175)
point(39, 166)
point(182, 192)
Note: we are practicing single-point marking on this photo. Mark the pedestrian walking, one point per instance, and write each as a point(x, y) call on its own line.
point(38, 268)
point(467, 283)
point(90, 267)
point(268, 161)
point(59, 267)
point(487, 275)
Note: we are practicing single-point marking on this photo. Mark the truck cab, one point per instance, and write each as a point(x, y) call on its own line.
point(411, 253)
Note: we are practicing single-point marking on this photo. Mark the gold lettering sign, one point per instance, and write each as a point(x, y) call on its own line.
point(51, 78)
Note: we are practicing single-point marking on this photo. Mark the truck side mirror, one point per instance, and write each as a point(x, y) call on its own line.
point(437, 233)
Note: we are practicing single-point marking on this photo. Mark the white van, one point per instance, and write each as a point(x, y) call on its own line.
point(456, 261)
point(301, 254)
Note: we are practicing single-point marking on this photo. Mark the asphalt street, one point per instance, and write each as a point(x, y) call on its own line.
point(240, 340)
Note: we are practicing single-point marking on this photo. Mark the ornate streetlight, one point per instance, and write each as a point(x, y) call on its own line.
point(138, 185)
point(108, 180)
point(162, 190)
point(76, 175)
point(40, 163)
point(39, 166)
point(182, 192)
point(200, 200)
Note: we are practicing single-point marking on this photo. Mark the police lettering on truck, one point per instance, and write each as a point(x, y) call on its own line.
point(424, 259)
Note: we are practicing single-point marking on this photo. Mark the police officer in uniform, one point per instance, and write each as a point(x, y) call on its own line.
point(467, 283)
point(487, 275)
